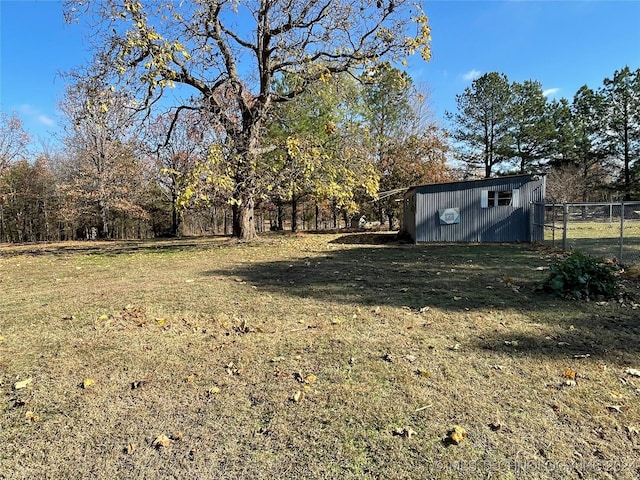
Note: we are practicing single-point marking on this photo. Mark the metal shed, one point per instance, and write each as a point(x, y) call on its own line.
point(501, 209)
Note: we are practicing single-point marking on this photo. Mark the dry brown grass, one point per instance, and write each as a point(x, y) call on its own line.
point(309, 356)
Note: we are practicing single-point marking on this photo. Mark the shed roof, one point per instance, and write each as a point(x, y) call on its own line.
point(458, 184)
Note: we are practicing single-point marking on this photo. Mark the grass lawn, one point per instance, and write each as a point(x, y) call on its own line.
point(601, 239)
point(309, 356)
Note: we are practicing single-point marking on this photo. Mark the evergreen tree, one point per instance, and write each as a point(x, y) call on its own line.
point(482, 124)
point(531, 131)
point(622, 103)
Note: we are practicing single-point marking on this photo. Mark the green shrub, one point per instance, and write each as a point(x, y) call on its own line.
point(583, 277)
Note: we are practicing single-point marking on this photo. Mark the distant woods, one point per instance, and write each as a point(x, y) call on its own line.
point(324, 156)
point(183, 123)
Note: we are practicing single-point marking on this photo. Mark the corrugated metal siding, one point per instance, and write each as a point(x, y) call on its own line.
point(494, 224)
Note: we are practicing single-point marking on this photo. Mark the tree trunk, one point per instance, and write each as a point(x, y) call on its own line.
point(627, 169)
point(175, 220)
point(294, 213)
point(279, 215)
point(246, 158)
point(105, 221)
point(317, 215)
point(244, 227)
point(1, 224)
point(487, 170)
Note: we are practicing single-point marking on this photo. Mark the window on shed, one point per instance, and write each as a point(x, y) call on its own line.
point(495, 198)
point(504, 197)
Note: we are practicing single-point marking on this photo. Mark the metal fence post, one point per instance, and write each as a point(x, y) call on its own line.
point(620, 257)
point(565, 221)
point(553, 225)
point(611, 212)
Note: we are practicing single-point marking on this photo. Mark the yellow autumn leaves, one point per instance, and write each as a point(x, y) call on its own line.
point(307, 381)
point(422, 40)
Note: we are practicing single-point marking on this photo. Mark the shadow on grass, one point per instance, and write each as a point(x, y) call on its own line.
point(458, 278)
point(363, 238)
point(602, 337)
point(113, 247)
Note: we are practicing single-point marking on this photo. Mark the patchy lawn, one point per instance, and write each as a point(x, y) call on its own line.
point(309, 356)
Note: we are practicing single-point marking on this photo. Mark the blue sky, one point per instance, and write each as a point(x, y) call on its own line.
point(562, 44)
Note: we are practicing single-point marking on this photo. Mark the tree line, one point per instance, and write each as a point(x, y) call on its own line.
point(221, 111)
point(330, 152)
point(590, 145)
point(234, 117)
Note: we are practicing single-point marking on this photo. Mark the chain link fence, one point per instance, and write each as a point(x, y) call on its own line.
point(607, 230)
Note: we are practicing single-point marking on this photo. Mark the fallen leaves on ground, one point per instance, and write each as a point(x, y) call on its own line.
point(88, 382)
point(31, 417)
point(495, 425)
point(162, 441)
point(615, 408)
point(23, 384)
point(233, 370)
point(405, 432)
point(134, 314)
point(632, 430)
point(456, 435)
point(140, 383)
point(569, 378)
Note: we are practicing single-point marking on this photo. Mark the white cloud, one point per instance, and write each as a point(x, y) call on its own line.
point(549, 92)
point(31, 112)
point(471, 75)
point(49, 122)
point(27, 109)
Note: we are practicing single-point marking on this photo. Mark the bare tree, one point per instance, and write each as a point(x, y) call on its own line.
point(172, 161)
point(565, 184)
point(230, 53)
point(14, 141)
point(103, 174)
